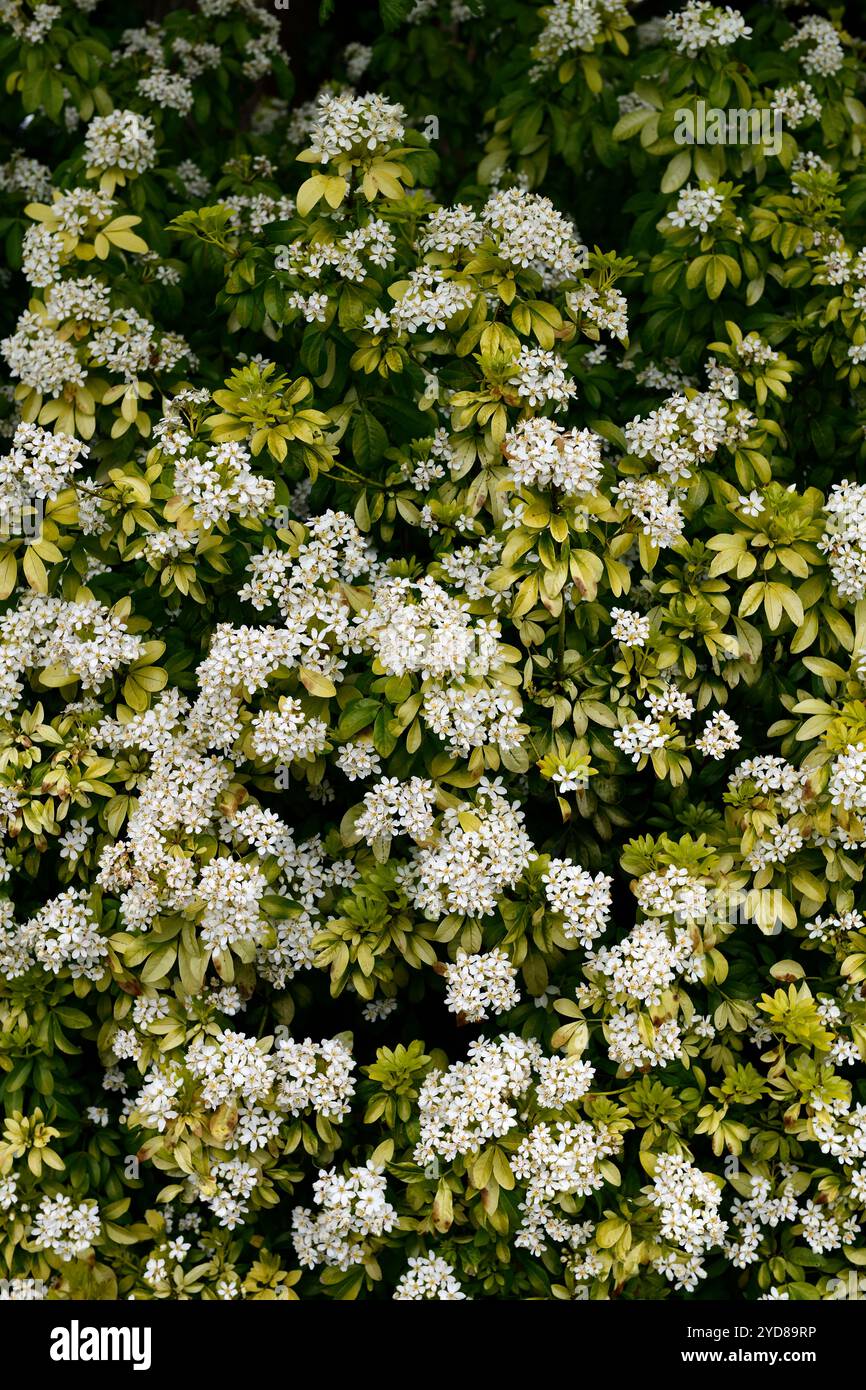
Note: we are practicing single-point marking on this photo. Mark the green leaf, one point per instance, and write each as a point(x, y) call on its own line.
point(159, 963)
point(677, 172)
point(716, 276)
point(369, 440)
point(393, 12)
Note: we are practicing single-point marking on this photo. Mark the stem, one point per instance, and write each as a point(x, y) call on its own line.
point(359, 477)
point(560, 639)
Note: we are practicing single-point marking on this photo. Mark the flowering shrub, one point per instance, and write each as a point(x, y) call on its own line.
point(433, 655)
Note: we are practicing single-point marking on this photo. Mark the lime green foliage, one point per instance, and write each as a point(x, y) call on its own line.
point(433, 687)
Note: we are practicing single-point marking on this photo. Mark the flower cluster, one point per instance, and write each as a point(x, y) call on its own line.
point(432, 655)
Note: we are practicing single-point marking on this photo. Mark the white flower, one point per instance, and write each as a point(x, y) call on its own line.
point(825, 55)
point(64, 934)
point(420, 627)
point(688, 1206)
point(220, 484)
point(478, 851)
point(541, 454)
point(467, 1104)
point(568, 781)
point(353, 1208)
point(583, 901)
point(753, 504)
point(562, 1081)
point(720, 736)
point(847, 786)
point(452, 229)
point(702, 25)
point(844, 539)
point(628, 1045)
point(67, 1230)
point(392, 808)
point(378, 1009)
point(639, 738)
point(122, 140)
point(357, 126)
point(654, 506)
point(166, 89)
point(530, 233)
point(428, 1276)
point(606, 308)
point(796, 104)
point(541, 379)
point(429, 301)
point(74, 841)
point(670, 701)
point(697, 207)
point(287, 734)
point(560, 1160)
point(357, 57)
point(478, 983)
point(646, 963)
point(358, 760)
point(631, 629)
point(569, 26)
